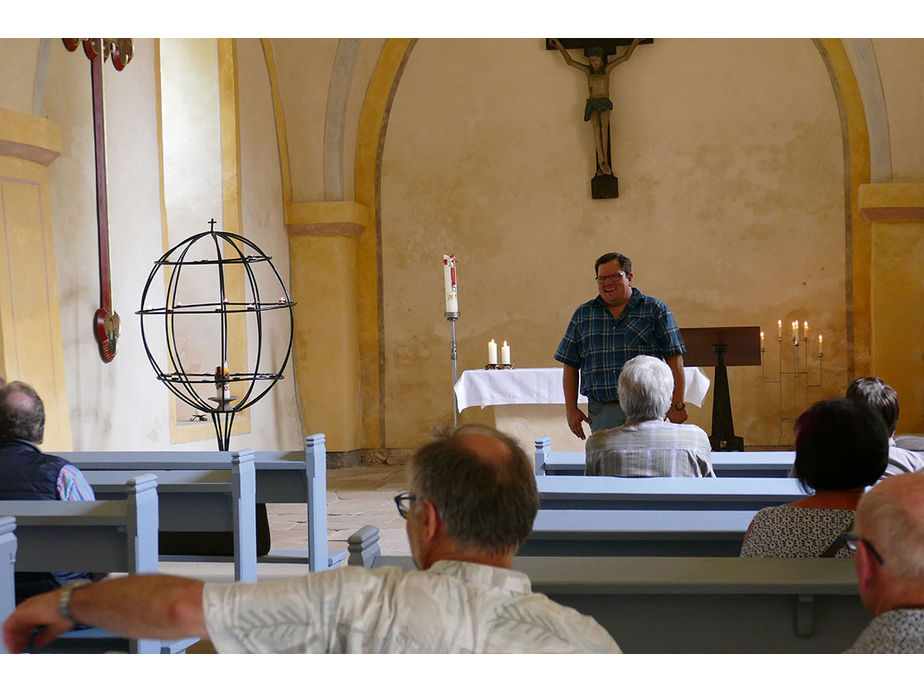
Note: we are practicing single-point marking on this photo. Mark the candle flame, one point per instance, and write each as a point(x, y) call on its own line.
point(505, 342)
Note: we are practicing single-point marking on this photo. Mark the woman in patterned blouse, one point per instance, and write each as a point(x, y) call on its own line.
point(841, 448)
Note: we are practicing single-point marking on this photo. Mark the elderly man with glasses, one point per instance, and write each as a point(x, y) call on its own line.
point(888, 537)
point(619, 323)
point(472, 503)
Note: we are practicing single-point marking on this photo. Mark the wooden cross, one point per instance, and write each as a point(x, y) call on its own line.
point(106, 323)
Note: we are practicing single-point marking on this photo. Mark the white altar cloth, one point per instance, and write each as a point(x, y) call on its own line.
point(541, 386)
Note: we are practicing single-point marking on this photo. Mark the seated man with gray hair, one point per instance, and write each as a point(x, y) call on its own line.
point(888, 538)
point(646, 444)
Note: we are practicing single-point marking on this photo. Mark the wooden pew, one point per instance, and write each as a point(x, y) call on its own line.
point(91, 536)
point(771, 463)
point(199, 500)
point(281, 477)
point(673, 605)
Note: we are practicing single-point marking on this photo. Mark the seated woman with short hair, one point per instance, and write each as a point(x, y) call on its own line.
point(841, 448)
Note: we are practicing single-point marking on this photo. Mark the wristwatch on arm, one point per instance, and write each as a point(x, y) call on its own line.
point(679, 406)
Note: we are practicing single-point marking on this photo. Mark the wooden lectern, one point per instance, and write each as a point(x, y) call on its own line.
point(721, 347)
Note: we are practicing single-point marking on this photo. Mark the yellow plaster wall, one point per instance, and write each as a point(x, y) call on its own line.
point(30, 329)
point(18, 57)
point(303, 69)
point(901, 64)
point(326, 348)
point(729, 156)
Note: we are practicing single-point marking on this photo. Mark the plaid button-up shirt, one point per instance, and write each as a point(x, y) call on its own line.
point(598, 344)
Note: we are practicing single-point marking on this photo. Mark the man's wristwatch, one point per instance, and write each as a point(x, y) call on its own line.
point(64, 599)
point(679, 406)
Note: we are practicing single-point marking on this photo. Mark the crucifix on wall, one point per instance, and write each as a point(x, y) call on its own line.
point(598, 105)
point(106, 323)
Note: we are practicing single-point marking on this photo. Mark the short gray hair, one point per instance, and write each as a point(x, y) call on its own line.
point(892, 514)
point(22, 414)
point(485, 503)
point(645, 387)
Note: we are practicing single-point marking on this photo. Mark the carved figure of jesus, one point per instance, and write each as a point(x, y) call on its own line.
point(598, 106)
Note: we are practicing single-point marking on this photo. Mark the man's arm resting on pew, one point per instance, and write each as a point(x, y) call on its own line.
point(138, 606)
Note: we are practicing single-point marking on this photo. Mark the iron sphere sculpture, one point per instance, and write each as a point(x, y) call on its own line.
point(198, 321)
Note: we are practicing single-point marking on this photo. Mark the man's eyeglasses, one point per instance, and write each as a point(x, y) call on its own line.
point(618, 275)
point(852, 540)
point(403, 501)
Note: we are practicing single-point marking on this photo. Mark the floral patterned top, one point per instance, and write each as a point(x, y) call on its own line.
point(900, 631)
point(792, 532)
point(454, 607)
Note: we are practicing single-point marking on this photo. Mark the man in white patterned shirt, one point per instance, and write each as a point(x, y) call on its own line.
point(646, 444)
point(888, 537)
point(472, 503)
point(26, 473)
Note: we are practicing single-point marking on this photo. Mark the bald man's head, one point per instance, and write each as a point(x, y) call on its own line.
point(22, 414)
point(481, 483)
point(891, 517)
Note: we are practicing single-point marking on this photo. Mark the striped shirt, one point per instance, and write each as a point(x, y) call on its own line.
point(73, 486)
point(649, 448)
point(598, 344)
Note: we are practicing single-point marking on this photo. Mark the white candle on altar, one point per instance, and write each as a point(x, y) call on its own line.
point(779, 329)
point(492, 352)
point(449, 282)
point(505, 354)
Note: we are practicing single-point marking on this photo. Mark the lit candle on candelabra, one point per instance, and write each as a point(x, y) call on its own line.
point(805, 330)
point(779, 329)
point(492, 353)
point(505, 355)
point(761, 340)
point(795, 331)
point(820, 346)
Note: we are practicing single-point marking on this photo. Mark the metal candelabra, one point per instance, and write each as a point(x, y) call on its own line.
point(800, 370)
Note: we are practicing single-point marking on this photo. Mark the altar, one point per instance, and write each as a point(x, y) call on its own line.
point(529, 402)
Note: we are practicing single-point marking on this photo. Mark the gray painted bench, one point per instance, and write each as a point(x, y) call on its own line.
point(672, 605)
point(92, 536)
point(771, 463)
point(664, 493)
point(199, 500)
point(281, 477)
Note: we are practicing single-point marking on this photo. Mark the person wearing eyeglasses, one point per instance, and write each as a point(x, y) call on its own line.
point(841, 449)
point(472, 503)
point(619, 323)
point(884, 399)
point(888, 537)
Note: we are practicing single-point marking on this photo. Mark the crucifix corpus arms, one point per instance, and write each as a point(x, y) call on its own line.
point(598, 105)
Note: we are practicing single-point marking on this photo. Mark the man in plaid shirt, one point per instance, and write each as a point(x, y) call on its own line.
point(618, 324)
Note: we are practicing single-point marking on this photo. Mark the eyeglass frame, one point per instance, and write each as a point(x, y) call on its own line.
point(852, 540)
point(400, 499)
point(617, 276)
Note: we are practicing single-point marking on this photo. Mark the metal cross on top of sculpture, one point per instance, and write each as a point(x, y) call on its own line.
point(598, 105)
point(106, 323)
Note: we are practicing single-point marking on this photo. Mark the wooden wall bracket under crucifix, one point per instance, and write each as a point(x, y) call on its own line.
point(106, 323)
point(604, 184)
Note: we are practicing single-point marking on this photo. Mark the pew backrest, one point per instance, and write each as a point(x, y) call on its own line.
point(201, 500)
point(296, 476)
point(769, 463)
point(667, 605)
point(7, 569)
point(665, 493)
point(115, 536)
